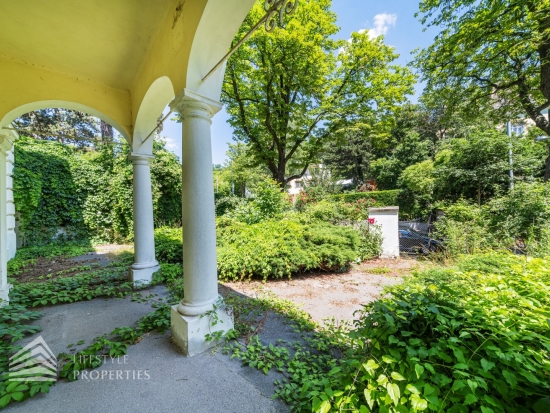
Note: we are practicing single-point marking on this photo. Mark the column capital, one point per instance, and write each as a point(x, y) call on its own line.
point(140, 158)
point(5, 144)
point(192, 104)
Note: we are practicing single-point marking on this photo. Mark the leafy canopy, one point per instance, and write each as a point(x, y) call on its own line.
point(491, 56)
point(287, 92)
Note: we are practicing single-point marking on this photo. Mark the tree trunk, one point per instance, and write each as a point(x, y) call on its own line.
point(106, 131)
point(547, 166)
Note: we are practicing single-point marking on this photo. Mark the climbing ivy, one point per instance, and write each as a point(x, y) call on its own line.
point(88, 193)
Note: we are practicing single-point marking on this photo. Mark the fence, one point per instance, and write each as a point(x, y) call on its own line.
point(415, 238)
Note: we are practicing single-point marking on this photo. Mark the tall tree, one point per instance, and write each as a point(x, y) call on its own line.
point(106, 132)
point(490, 57)
point(289, 91)
point(62, 125)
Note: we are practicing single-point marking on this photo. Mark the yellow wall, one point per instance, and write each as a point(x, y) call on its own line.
point(26, 88)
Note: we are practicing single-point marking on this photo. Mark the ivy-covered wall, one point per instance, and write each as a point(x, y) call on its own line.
point(88, 193)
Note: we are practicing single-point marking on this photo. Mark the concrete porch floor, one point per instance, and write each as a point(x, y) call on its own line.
point(168, 381)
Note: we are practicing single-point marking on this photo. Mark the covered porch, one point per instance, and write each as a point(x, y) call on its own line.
point(124, 61)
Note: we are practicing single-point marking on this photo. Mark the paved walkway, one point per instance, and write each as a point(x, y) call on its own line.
point(154, 376)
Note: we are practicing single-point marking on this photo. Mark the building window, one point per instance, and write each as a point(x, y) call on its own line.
point(518, 129)
point(298, 184)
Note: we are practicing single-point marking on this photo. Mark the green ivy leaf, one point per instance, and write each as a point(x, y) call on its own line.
point(418, 403)
point(470, 398)
point(397, 376)
point(393, 392)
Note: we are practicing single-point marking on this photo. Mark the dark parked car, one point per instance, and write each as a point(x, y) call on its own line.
point(415, 242)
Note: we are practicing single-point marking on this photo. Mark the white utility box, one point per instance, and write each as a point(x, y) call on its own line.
point(387, 219)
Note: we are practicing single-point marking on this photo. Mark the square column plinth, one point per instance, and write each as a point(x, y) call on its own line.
point(4, 294)
point(190, 333)
point(142, 276)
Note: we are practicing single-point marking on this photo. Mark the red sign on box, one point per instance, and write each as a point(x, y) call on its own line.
point(371, 220)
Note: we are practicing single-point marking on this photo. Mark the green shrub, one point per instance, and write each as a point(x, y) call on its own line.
point(274, 249)
point(471, 339)
point(464, 229)
point(278, 249)
point(518, 219)
point(227, 204)
point(324, 211)
point(268, 203)
point(380, 198)
point(522, 213)
point(169, 245)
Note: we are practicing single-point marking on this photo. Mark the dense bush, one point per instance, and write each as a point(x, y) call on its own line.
point(471, 339)
point(517, 220)
point(277, 249)
point(273, 249)
point(268, 202)
point(88, 193)
point(168, 245)
point(464, 229)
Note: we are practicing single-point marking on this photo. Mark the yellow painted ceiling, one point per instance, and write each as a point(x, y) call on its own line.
point(106, 43)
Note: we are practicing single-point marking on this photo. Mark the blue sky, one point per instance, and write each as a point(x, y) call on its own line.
point(392, 18)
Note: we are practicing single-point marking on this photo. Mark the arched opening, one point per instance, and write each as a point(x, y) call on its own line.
point(58, 104)
point(159, 94)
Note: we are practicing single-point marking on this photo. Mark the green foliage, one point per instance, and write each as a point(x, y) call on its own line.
point(169, 244)
point(477, 166)
point(87, 193)
point(464, 229)
point(110, 282)
point(287, 92)
point(489, 52)
point(471, 338)
point(311, 194)
point(448, 339)
point(14, 326)
point(406, 147)
point(522, 213)
point(277, 249)
point(227, 204)
point(44, 191)
point(268, 203)
point(518, 219)
point(380, 198)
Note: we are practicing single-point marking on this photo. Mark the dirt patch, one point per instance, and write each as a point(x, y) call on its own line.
point(328, 295)
point(45, 269)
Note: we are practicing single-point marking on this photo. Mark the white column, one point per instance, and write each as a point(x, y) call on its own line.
point(144, 264)
point(201, 311)
point(5, 146)
point(12, 238)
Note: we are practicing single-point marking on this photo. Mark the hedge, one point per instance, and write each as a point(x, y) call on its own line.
point(275, 249)
point(381, 198)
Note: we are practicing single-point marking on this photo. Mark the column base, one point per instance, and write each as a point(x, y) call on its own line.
point(190, 333)
point(12, 245)
point(5, 295)
point(142, 274)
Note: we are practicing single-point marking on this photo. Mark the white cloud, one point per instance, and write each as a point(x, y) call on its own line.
point(173, 145)
point(382, 22)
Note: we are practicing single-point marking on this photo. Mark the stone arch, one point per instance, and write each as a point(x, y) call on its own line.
point(45, 104)
point(218, 25)
point(157, 97)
